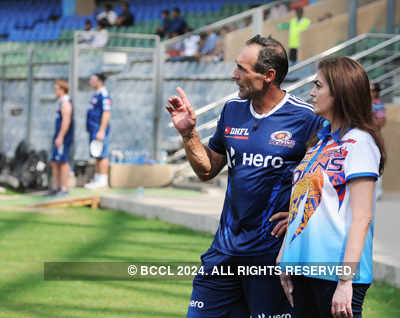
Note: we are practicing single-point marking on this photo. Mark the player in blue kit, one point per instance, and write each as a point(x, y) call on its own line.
point(98, 127)
point(62, 140)
point(262, 137)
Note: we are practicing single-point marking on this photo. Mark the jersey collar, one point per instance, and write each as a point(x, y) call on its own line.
point(326, 133)
point(101, 90)
point(273, 110)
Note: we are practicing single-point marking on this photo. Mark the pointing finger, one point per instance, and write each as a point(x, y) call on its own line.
point(183, 96)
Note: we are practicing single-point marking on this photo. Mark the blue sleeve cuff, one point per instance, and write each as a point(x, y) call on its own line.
point(362, 175)
point(215, 148)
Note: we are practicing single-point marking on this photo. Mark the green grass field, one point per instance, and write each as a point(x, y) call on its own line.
point(29, 239)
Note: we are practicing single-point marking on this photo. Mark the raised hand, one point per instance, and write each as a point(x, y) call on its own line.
point(182, 113)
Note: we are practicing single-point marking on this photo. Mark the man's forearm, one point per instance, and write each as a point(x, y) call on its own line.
point(105, 118)
point(198, 156)
point(64, 127)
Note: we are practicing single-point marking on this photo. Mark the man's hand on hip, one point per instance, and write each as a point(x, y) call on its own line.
point(281, 227)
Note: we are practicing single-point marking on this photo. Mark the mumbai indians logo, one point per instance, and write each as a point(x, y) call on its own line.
point(282, 138)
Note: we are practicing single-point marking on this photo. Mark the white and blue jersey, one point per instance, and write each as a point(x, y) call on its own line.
point(320, 206)
point(262, 152)
point(100, 102)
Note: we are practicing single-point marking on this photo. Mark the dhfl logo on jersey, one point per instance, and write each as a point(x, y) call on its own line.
point(282, 138)
point(236, 133)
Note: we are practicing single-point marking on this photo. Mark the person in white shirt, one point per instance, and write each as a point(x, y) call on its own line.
point(100, 36)
point(278, 11)
point(86, 39)
point(110, 16)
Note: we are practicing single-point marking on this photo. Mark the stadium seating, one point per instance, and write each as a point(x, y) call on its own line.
point(42, 20)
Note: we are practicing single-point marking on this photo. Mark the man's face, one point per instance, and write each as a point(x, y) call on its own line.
point(175, 14)
point(94, 82)
point(299, 13)
point(249, 81)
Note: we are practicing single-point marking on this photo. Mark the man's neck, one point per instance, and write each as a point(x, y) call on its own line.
point(99, 89)
point(263, 104)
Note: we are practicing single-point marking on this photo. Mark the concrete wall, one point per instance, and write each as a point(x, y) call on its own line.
point(391, 134)
point(85, 7)
point(235, 40)
point(320, 36)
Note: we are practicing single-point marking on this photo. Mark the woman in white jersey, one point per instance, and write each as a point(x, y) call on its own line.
point(330, 229)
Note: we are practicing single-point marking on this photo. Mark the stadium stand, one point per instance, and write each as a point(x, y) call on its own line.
point(42, 20)
point(131, 85)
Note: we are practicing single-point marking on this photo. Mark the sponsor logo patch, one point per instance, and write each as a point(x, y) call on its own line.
point(282, 138)
point(236, 133)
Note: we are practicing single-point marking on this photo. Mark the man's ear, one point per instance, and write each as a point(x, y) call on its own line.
point(269, 76)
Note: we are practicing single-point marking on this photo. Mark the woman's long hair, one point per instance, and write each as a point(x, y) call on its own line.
point(350, 88)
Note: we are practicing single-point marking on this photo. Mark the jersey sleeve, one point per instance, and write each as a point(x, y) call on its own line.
point(107, 102)
point(362, 160)
point(216, 142)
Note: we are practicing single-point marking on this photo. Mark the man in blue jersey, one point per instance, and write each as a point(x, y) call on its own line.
point(262, 137)
point(62, 140)
point(98, 127)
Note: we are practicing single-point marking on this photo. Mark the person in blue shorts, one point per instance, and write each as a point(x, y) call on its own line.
point(332, 204)
point(98, 127)
point(262, 137)
point(62, 140)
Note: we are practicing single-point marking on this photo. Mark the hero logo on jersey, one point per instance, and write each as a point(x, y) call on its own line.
point(282, 138)
point(230, 156)
point(236, 133)
point(253, 160)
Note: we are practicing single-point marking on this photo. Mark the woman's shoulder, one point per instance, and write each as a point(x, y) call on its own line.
point(360, 140)
point(358, 134)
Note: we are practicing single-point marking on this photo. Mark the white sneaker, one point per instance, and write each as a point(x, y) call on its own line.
point(96, 185)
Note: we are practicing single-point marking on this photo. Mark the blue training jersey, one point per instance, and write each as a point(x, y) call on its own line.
point(100, 102)
point(68, 138)
point(262, 152)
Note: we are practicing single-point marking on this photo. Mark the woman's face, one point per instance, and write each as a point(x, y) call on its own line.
point(321, 98)
point(57, 90)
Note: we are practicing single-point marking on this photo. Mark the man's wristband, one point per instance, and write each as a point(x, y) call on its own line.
point(346, 277)
point(188, 136)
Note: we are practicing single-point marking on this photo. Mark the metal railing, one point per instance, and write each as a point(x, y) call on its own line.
point(387, 59)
